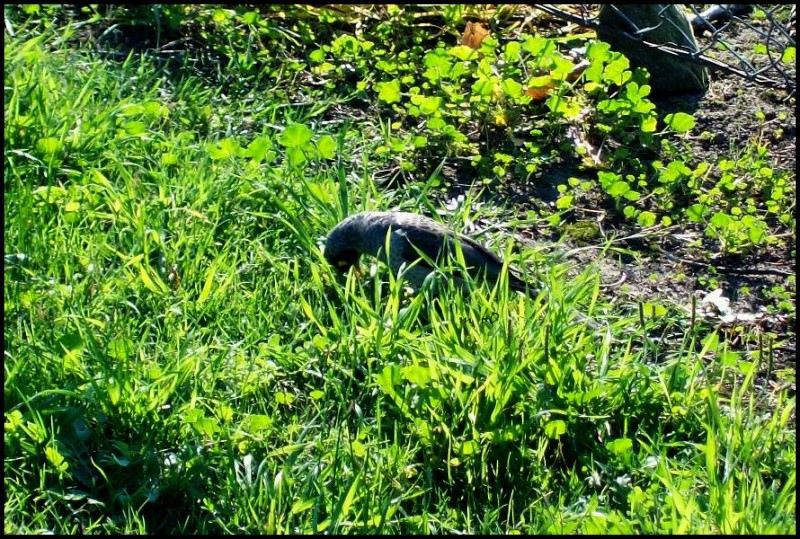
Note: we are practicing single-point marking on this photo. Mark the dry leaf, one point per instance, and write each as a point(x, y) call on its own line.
point(474, 34)
point(539, 93)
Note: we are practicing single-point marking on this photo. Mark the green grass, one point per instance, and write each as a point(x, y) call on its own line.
point(179, 357)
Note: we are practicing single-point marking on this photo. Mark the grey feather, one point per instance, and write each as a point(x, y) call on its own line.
point(410, 234)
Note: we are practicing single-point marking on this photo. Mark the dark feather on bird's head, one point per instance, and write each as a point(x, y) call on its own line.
point(343, 244)
point(343, 260)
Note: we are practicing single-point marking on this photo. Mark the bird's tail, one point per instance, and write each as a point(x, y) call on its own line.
point(515, 283)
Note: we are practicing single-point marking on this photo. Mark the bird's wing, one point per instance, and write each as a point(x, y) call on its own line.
point(415, 242)
point(434, 241)
point(433, 244)
point(476, 254)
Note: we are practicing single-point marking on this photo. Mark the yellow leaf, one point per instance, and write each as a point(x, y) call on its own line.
point(210, 274)
point(149, 282)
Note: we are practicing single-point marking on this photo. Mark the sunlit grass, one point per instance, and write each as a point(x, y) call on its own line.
point(179, 358)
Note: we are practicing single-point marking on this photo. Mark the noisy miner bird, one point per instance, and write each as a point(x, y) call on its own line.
point(414, 242)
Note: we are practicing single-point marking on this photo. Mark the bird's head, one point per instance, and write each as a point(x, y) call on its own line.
point(342, 247)
point(342, 260)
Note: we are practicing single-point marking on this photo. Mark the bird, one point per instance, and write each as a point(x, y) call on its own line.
point(414, 242)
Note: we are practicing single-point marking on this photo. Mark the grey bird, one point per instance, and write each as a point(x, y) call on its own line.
point(414, 242)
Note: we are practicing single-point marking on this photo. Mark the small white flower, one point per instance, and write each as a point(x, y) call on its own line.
point(594, 479)
point(651, 462)
point(624, 480)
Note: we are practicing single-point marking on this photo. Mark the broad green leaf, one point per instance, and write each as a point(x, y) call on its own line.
point(789, 55)
point(728, 358)
point(155, 109)
point(302, 505)
point(206, 426)
point(417, 374)
point(224, 149)
point(537, 45)
point(620, 446)
point(121, 348)
point(114, 392)
point(251, 17)
point(430, 105)
point(710, 343)
point(649, 124)
point(420, 142)
point(169, 158)
point(295, 136)
point(618, 189)
point(512, 51)
point(652, 310)
point(135, 128)
point(511, 87)
point(646, 218)
point(49, 145)
point(389, 378)
point(284, 397)
point(317, 55)
point(680, 122)
point(257, 423)
point(617, 71)
point(327, 147)
point(720, 220)
point(131, 109)
point(389, 92)
point(542, 81)
point(258, 148)
point(629, 212)
point(468, 448)
point(564, 202)
point(695, 212)
point(555, 429)
point(436, 124)
point(221, 15)
point(71, 341)
point(296, 156)
point(463, 53)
